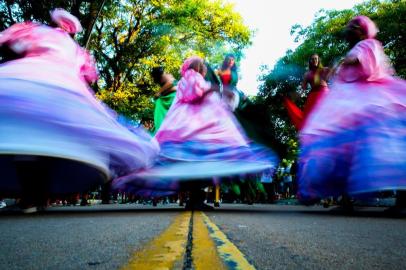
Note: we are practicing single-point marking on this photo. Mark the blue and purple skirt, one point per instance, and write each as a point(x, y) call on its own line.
point(181, 164)
point(42, 120)
point(355, 142)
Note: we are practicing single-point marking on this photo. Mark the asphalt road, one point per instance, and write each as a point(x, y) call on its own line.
point(297, 237)
point(269, 236)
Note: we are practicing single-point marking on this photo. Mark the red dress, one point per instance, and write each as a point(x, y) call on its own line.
point(298, 116)
point(226, 79)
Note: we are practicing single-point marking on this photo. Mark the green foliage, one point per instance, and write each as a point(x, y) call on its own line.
point(128, 100)
point(391, 20)
point(133, 36)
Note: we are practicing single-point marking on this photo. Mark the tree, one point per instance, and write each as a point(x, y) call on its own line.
point(132, 37)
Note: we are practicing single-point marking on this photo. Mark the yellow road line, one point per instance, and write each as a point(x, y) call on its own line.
point(165, 251)
point(230, 254)
point(204, 253)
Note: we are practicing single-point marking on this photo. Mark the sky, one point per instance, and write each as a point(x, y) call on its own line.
point(272, 20)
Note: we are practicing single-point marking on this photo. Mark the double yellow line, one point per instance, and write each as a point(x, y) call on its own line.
point(210, 248)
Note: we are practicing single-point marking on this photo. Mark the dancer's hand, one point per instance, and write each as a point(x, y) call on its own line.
point(214, 88)
point(332, 71)
point(350, 60)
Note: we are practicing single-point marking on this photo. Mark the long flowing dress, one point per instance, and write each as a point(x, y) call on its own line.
point(355, 142)
point(316, 94)
point(199, 139)
point(48, 110)
point(162, 105)
point(231, 95)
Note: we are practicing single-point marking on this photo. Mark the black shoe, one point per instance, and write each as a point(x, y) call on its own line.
point(396, 211)
point(347, 203)
point(84, 202)
point(309, 202)
point(199, 206)
point(342, 210)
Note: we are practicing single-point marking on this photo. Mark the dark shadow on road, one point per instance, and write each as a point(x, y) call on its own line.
point(365, 212)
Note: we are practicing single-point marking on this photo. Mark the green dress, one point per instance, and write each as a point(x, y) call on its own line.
point(162, 105)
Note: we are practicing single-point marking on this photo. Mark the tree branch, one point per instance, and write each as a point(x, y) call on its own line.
point(10, 14)
point(90, 29)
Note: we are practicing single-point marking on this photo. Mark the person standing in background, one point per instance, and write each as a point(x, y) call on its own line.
point(316, 77)
point(164, 97)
